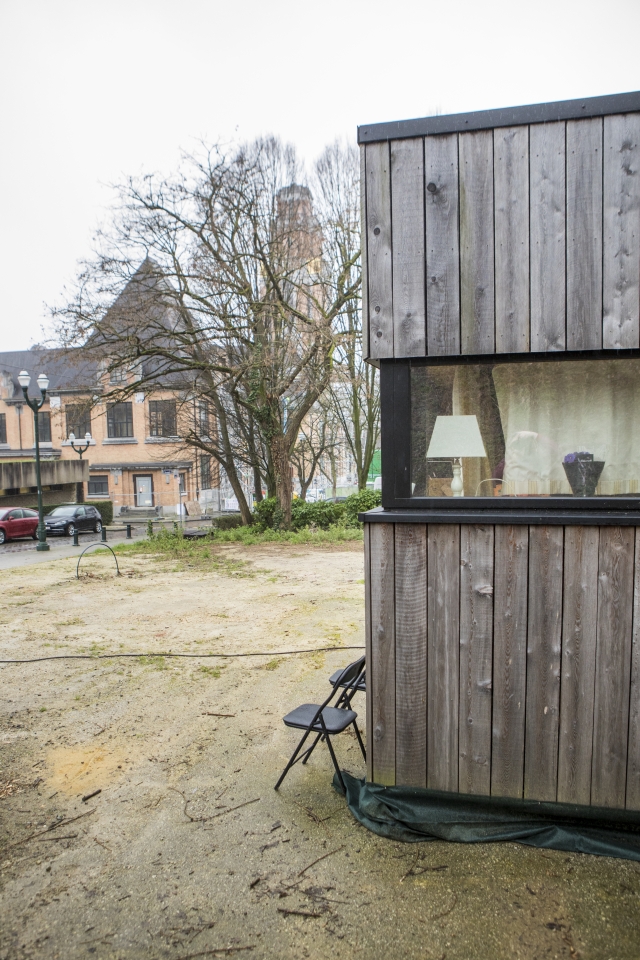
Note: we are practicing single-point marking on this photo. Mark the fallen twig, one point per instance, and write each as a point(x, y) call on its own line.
point(69, 836)
point(90, 796)
point(323, 857)
point(101, 844)
point(298, 913)
point(231, 809)
point(445, 913)
point(54, 826)
point(214, 950)
point(209, 714)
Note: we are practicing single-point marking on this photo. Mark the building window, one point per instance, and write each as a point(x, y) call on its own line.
point(203, 419)
point(98, 486)
point(78, 419)
point(162, 418)
point(44, 426)
point(118, 375)
point(3, 428)
point(205, 472)
point(120, 420)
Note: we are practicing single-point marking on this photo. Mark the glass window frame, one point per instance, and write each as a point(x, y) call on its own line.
point(162, 416)
point(44, 426)
point(78, 419)
point(3, 428)
point(395, 415)
point(113, 432)
point(101, 479)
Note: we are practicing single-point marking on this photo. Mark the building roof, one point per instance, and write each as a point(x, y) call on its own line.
point(66, 372)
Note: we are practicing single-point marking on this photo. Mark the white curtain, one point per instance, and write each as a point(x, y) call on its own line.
point(554, 408)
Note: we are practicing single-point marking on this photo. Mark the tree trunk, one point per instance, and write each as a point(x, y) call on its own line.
point(283, 481)
point(257, 485)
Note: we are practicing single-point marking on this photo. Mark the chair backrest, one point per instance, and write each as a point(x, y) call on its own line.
point(347, 682)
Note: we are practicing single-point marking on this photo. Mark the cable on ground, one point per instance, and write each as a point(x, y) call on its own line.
point(189, 656)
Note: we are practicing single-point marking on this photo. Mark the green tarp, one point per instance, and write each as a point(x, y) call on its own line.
point(413, 814)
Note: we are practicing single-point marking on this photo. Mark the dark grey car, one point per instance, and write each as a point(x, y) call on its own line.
point(66, 520)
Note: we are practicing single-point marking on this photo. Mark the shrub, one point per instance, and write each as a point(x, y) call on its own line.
point(321, 515)
point(358, 503)
point(228, 522)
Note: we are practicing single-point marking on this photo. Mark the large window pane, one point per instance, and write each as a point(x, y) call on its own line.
point(3, 428)
point(120, 420)
point(551, 428)
point(44, 426)
point(98, 486)
point(162, 418)
point(78, 417)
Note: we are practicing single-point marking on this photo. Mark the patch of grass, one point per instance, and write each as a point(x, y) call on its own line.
point(73, 622)
point(157, 662)
point(273, 664)
point(211, 671)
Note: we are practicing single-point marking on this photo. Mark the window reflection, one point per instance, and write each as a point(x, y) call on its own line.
point(545, 428)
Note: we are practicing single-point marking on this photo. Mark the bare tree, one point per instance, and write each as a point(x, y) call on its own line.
point(353, 389)
point(242, 293)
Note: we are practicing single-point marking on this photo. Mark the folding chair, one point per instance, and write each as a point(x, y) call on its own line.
point(326, 721)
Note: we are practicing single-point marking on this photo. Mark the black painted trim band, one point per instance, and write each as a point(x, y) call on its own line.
point(515, 517)
point(503, 117)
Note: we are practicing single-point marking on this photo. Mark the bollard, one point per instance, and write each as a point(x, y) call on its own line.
point(104, 534)
point(76, 542)
point(128, 537)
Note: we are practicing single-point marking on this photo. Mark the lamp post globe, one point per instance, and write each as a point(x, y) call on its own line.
point(43, 383)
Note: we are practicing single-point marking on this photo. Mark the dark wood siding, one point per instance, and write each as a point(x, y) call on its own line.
point(514, 239)
point(504, 660)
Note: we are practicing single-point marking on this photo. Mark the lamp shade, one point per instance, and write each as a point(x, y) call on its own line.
point(24, 379)
point(43, 382)
point(72, 437)
point(456, 437)
point(87, 437)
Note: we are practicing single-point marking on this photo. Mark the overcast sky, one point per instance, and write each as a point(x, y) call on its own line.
point(94, 90)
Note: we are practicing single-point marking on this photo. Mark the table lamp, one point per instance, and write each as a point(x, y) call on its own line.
point(456, 437)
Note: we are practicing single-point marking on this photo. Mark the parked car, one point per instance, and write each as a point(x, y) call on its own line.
point(17, 522)
point(66, 520)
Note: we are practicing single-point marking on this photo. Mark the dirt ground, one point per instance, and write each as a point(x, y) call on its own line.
point(188, 851)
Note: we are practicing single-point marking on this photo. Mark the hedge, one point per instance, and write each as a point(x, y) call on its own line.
point(321, 515)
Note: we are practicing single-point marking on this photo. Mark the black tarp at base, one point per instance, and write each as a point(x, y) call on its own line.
point(414, 814)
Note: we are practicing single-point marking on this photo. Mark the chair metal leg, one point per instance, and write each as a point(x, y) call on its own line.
point(364, 752)
point(293, 759)
point(312, 748)
point(335, 762)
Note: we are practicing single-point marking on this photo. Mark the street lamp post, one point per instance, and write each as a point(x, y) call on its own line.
point(80, 450)
point(43, 382)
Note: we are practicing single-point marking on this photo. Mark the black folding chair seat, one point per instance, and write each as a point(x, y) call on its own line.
point(335, 719)
point(325, 721)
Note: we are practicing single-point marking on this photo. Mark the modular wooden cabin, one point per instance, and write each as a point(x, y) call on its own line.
point(501, 256)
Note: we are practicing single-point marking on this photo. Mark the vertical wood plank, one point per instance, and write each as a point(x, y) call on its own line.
point(407, 230)
point(383, 674)
point(476, 639)
point(442, 245)
point(379, 266)
point(443, 647)
point(547, 206)
point(613, 667)
point(363, 253)
point(584, 234)
point(621, 213)
point(511, 188)
point(367, 648)
point(477, 299)
point(579, 618)
point(633, 761)
point(411, 654)
point(544, 625)
point(509, 660)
